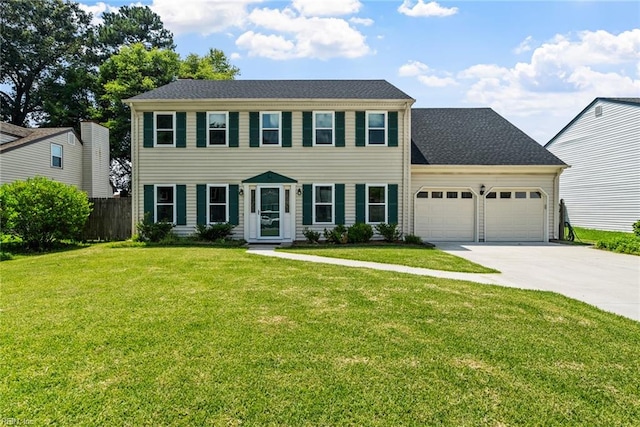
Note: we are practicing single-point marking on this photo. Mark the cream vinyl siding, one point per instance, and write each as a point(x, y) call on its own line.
point(95, 159)
point(513, 179)
point(601, 189)
point(34, 159)
point(348, 165)
point(7, 138)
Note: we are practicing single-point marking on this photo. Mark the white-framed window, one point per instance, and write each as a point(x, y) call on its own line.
point(270, 131)
point(217, 128)
point(323, 128)
point(376, 128)
point(376, 203)
point(217, 203)
point(165, 203)
point(56, 156)
point(164, 129)
point(323, 203)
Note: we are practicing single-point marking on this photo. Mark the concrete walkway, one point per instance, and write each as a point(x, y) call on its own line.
point(606, 280)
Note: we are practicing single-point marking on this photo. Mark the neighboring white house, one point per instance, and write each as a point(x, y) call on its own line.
point(59, 154)
point(275, 157)
point(602, 146)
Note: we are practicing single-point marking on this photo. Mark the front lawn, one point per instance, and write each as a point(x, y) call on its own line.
point(412, 256)
point(202, 336)
point(615, 241)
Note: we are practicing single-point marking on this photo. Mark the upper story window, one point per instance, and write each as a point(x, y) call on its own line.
point(376, 204)
point(217, 123)
point(217, 206)
point(56, 156)
point(165, 208)
point(270, 128)
point(323, 203)
point(376, 128)
point(323, 128)
point(165, 129)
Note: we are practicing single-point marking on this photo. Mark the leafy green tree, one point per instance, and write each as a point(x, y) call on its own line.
point(130, 25)
point(132, 71)
point(213, 66)
point(39, 40)
point(41, 211)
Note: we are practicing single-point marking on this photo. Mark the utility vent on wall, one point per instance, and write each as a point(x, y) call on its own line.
point(598, 110)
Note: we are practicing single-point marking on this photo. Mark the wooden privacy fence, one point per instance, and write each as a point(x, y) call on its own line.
point(109, 220)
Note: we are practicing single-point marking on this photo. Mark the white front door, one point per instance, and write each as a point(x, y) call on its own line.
point(270, 212)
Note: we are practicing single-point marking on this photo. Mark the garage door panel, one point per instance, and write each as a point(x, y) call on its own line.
point(514, 219)
point(446, 218)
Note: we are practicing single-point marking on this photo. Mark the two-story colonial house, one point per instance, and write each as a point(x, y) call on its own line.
point(276, 157)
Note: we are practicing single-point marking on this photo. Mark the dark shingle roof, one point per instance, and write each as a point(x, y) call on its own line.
point(274, 89)
point(472, 136)
point(623, 100)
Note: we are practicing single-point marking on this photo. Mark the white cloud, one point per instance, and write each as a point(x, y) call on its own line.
point(524, 46)
point(422, 9)
point(434, 81)
point(97, 10)
point(301, 37)
point(235, 55)
point(412, 69)
point(326, 7)
point(204, 17)
point(362, 21)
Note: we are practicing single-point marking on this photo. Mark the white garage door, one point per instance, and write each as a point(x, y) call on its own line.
point(514, 216)
point(445, 215)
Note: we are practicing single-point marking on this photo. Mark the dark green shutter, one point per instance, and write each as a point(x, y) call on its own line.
point(307, 128)
point(234, 129)
point(181, 206)
point(393, 129)
point(201, 204)
point(286, 129)
point(360, 129)
point(234, 202)
point(254, 129)
point(307, 204)
point(339, 199)
point(147, 135)
point(181, 130)
point(149, 202)
point(201, 129)
point(360, 202)
point(393, 203)
point(340, 142)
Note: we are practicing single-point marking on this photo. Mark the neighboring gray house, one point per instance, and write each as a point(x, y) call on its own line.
point(275, 157)
point(59, 154)
point(602, 146)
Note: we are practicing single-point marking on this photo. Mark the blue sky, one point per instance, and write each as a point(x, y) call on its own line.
point(537, 63)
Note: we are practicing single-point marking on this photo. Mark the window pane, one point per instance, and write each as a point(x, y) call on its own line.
point(376, 213)
point(165, 137)
point(217, 213)
point(270, 137)
point(323, 213)
point(217, 137)
point(535, 195)
point(164, 121)
point(436, 194)
point(323, 194)
point(164, 195)
point(376, 120)
point(270, 120)
point(376, 136)
point(423, 195)
point(491, 196)
point(56, 162)
point(324, 136)
point(253, 201)
point(452, 194)
point(56, 150)
point(324, 120)
point(467, 195)
point(287, 195)
point(165, 213)
point(376, 194)
point(217, 121)
point(217, 195)
point(521, 194)
point(505, 194)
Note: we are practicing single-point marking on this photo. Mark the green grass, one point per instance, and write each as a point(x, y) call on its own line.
point(412, 256)
point(615, 241)
point(203, 336)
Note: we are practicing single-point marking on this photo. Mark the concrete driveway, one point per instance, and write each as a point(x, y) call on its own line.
point(606, 280)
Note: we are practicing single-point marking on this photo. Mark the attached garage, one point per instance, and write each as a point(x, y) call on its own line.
point(515, 215)
point(445, 215)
